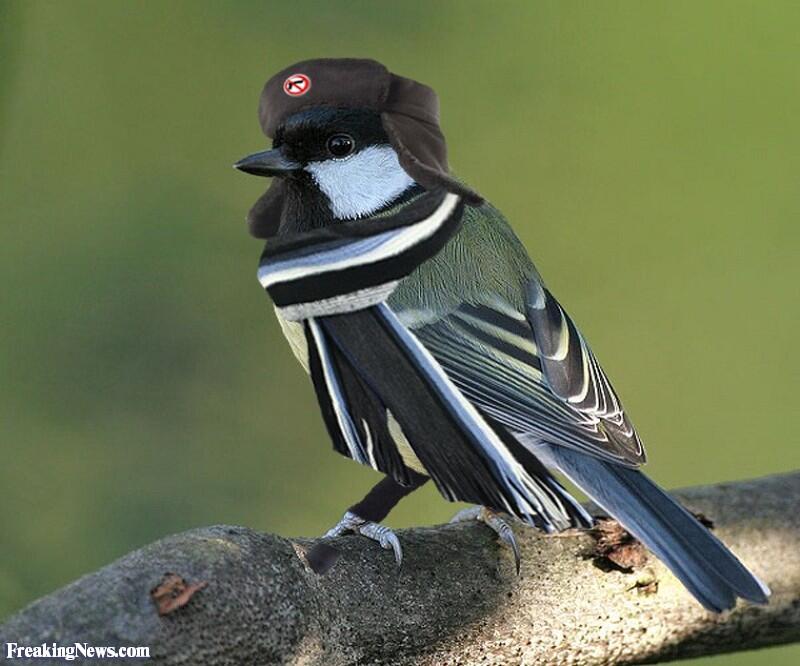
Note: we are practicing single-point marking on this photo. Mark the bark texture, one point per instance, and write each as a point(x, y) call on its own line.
point(456, 599)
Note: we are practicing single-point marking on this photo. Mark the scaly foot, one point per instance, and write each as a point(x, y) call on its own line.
point(387, 539)
point(496, 522)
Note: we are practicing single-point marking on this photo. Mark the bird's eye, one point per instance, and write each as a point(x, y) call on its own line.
point(341, 145)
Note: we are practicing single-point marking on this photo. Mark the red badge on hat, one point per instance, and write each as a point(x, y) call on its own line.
point(296, 85)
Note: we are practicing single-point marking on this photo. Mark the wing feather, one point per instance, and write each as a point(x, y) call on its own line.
point(574, 373)
point(534, 373)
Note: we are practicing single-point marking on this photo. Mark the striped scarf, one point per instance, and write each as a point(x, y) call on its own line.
point(354, 265)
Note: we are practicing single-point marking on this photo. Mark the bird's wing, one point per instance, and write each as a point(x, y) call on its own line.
point(510, 347)
point(369, 370)
point(490, 351)
point(574, 375)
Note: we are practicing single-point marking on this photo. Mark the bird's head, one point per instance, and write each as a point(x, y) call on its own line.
point(349, 137)
point(339, 159)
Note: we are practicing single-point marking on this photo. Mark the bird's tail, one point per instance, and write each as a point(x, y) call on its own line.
point(697, 558)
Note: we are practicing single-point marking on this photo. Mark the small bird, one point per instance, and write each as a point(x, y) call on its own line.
point(434, 347)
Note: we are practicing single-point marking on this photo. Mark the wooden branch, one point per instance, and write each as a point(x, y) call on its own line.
point(238, 596)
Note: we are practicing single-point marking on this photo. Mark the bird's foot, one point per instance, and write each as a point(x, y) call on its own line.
point(387, 539)
point(496, 522)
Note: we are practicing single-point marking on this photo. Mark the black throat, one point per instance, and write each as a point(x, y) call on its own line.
point(305, 207)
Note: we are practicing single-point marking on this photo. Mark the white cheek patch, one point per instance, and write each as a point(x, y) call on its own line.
point(362, 183)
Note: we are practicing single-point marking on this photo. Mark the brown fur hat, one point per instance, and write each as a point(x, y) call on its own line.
point(409, 113)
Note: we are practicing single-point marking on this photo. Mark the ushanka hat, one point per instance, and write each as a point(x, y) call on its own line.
point(409, 114)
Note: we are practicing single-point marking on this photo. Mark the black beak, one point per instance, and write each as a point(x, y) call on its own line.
point(267, 163)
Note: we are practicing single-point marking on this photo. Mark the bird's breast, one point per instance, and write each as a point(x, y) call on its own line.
point(295, 334)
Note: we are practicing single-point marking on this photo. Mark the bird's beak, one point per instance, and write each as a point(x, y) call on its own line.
point(267, 163)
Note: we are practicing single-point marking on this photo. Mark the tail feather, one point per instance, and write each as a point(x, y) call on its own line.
point(697, 558)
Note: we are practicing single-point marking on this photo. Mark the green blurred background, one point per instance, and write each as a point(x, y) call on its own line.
point(647, 153)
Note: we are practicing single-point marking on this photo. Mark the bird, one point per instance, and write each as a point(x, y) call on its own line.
point(434, 346)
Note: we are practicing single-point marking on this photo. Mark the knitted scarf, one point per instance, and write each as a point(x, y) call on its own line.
point(356, 264)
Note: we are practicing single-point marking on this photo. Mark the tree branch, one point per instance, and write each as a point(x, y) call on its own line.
point(456, 599)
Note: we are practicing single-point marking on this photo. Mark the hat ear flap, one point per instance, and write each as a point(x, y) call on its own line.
point(422, 152)
point(264, 217)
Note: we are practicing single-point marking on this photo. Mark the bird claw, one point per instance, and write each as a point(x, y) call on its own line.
point(496, 522)
point(504, 531)
point(385, 537)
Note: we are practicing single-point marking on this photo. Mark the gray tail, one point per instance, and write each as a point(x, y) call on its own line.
point(697, 558)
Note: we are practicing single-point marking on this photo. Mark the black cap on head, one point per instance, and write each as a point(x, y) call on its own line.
point(409, 113)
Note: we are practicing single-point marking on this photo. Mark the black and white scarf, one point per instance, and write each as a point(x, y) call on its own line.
point(357, 264)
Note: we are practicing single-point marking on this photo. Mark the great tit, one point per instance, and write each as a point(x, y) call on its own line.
point(435, 348)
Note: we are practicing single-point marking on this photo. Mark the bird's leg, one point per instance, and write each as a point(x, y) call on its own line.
point(364, 519)
point(493, 520)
